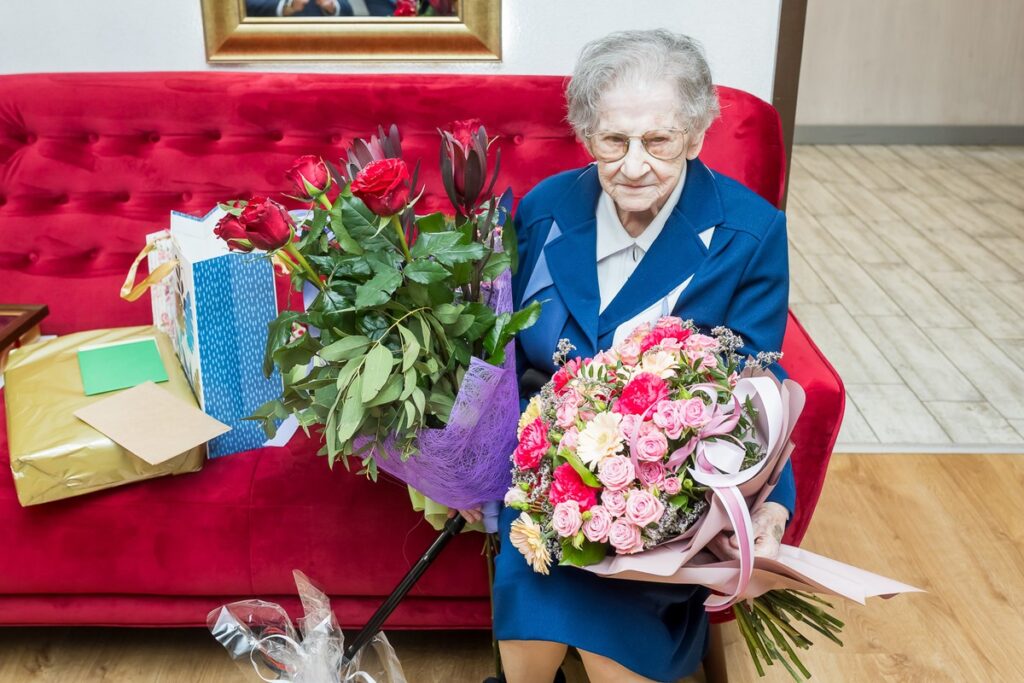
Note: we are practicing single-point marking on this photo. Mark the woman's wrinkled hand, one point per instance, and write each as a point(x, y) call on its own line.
point(471, 516)
point(769, 522)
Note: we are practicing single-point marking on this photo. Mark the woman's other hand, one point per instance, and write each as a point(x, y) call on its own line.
point(769, 522)
point(471, 516)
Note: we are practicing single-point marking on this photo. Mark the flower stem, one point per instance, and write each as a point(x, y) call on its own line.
point(304, 265)
point(397, 223)
point(324, 201)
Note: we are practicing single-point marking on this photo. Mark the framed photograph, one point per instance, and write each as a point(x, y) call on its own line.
point(242, 31)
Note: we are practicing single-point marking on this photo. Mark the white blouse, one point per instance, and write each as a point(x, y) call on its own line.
point(619, 254)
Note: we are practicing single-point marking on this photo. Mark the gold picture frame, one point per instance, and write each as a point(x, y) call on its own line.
point(233, 37)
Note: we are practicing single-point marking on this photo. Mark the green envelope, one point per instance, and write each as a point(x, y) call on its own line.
point(122, 365)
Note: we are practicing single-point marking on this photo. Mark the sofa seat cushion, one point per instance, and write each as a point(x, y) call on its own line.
point(238, 527)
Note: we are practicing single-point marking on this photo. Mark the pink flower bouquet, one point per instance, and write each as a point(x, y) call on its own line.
point(629, 463)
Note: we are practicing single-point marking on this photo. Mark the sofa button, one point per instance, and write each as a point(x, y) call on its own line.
point(32, 256)
point(62, 199)
point(215, 135)
point(3, 200)
point(153, 138)
point(275, 135)
point(30, 138)
point(336, 139)
point(517, 139)
point(92, 138)
point(186, 196)
point(92, 254)
point(122, 197)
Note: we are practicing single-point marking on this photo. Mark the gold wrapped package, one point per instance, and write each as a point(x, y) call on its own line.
point(55, 455)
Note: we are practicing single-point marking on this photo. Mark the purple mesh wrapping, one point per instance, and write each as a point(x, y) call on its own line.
point(467, 463)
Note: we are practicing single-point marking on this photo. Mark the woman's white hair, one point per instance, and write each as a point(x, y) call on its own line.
point(643, 57)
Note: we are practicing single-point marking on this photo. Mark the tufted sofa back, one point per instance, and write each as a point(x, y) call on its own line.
point(90, 163)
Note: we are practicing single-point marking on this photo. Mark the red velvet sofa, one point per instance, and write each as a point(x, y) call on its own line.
point(89, 163)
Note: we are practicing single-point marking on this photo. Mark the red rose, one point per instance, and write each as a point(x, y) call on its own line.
point(406, 8)
point(533, 444)
point(383, 186)
point(312, 169)
point(568, 485)
point(267, 225)
point(642, 392)
point(231, 230)
point(655, 337)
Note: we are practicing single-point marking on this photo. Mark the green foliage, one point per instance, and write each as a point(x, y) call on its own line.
point(396, 333)
point(587, 554)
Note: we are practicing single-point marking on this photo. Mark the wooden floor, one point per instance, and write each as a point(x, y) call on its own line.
point(950, 524)
point(907, 268)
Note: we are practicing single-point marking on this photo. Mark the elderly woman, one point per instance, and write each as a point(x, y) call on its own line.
point(645, 230)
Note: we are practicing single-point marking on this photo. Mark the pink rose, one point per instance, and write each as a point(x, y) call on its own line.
point(700, 344)
point(629, 352)
point(616, 472)
point(669, 416)
point(672, 486)
point(597, 527)
point(570, 438)
point(628, 426)
point(605, 358)
point(652, 444)
point(642, 508)
point(651, 473)
point(614, 502)
point(567, 518)
point(533, 443)
point(695, 413)
point(625, 537)
point(566, 413)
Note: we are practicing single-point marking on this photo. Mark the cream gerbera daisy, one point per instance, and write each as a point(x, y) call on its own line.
point(660, 363)
point(526, 536)
point(599, 439)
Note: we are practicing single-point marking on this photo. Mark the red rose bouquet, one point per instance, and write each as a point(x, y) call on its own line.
point(411, 316)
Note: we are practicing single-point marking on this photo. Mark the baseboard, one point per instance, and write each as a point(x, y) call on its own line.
point(908, 135)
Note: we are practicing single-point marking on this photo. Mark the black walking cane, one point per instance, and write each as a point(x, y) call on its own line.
point(452, 528)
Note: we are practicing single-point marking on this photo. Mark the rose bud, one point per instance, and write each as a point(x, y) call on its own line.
point(267, 225)
point(230, 229)
point(311, 179)
point(383, 186)
point(406, 8)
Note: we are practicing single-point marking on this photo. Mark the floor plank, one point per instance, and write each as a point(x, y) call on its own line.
point(896, 415)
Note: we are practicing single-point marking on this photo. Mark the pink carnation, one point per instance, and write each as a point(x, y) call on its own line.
point(616, 472)
point(567, 411)
point(567, 518)
point(533, 443)
point(629, 352)
point(614, 502)
point(597, 527)
point(671, 330)
point(625, 537)
point(642, 508)
point(567, 485)
point(642, 392)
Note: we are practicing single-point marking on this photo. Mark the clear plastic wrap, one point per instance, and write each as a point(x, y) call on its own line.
point(260, 635)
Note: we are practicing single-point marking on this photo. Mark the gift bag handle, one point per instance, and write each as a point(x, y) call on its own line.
point(131, 291)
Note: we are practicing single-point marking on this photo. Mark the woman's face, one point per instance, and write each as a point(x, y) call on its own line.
point(640, 183)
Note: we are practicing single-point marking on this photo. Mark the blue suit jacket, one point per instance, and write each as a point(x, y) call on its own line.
point(740, 281)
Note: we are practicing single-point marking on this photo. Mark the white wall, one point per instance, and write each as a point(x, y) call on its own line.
point(913, 62)
point(539, 37)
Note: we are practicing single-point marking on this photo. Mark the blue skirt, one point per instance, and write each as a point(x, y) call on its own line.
point(658, 630)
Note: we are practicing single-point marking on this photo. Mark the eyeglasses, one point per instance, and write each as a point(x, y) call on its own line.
point(664, 144)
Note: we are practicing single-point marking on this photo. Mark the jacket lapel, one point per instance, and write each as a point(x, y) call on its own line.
point(675, 255)
point(571, 256)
